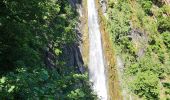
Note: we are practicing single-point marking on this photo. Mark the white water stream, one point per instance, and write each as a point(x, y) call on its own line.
point(96, 61)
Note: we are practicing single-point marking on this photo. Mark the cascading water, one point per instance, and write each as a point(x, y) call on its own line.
point(96, 61)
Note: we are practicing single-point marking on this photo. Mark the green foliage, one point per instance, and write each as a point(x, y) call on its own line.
point(151, 19)
point(164, 24)
point(166, 39)
point(165, 9)
point(44, 84)
point(146, 5)
point(27, 26)
point(118, 25)
point(149, 24)
point(143, 65)
point(167, 85)
point(167, 88)
point(146, 85)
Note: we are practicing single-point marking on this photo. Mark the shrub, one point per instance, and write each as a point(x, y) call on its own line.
point(164, 24)
point(166, 39)
point(146, 85)
point(146, 5)
point(44, 84)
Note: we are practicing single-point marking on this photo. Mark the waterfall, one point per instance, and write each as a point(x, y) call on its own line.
point(96, 61)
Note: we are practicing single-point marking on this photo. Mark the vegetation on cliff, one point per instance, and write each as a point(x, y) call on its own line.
point(140, 32)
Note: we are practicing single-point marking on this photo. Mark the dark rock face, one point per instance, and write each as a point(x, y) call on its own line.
point(72, 57)
point(141, 39)
point(71, 53)
point(75, 2)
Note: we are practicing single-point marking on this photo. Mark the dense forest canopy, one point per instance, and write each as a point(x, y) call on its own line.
point(27, 26)
point(28, 30)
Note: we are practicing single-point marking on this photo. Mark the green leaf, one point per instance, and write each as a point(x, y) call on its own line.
point(57, 51)
point(3, 79)
point(11, 89)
